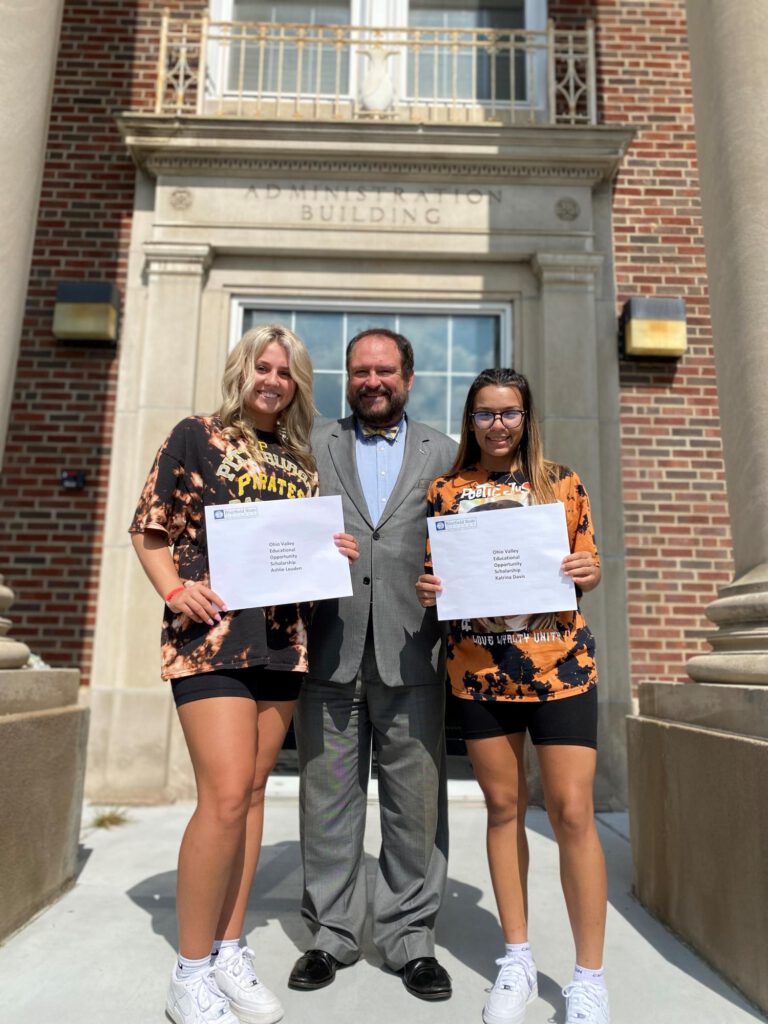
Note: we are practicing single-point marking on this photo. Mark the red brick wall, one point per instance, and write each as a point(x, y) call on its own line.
point(64, 400)
point(676, 521)
point(676, 516)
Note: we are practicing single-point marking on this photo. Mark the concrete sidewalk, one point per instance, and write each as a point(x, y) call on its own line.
point(102, 954)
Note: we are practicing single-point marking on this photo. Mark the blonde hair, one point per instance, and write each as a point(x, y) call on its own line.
point(295, 422)
point(539, 472)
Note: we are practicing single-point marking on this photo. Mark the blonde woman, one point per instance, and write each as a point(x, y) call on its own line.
point(235, 675)
point(535, 674)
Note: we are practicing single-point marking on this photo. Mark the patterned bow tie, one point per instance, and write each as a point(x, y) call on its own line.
point(390, 433)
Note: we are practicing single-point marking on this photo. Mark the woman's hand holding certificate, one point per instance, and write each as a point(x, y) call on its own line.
point(282, 552)
point(503, 562)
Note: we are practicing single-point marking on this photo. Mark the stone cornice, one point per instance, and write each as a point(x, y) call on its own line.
point(205, 147)
point(232, 166)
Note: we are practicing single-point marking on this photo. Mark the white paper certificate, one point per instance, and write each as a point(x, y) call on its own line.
point(501, 562)
point(262, 553)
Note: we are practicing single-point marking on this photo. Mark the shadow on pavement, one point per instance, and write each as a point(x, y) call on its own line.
point(468, 931)
point(657, 935)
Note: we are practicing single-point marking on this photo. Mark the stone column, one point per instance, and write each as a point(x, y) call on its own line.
point(43, 732)
point(729, 58)
point(581, 430)
point(132, 735)
point(699, 752)
point(28, 45)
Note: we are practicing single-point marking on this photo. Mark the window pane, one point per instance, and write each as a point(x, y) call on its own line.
point(357, 322)
point(329, 394)
point(275, 68)
point(481, 72)
point(467, 14)
point(291, 11)
point(429, 337)
point(459, 388)
point(322, 333)
point(475, 343)
point(428, 400)
point(256, 317)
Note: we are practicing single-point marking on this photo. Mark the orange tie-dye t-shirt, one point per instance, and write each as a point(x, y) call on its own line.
point(519, 657)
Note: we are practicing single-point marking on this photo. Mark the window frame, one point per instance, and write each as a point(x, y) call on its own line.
point(372, 14)
point(218, 57)
point(503, 310)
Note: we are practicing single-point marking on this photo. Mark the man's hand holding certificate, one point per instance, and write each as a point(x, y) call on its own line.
point(501, 562)
point(264, 553)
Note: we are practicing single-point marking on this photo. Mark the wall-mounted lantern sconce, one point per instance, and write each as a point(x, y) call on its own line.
point(653, 328)
point(86, 312)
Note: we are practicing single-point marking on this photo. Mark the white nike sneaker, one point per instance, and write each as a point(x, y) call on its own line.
point(249, 999)
point(197, 1000)
point(586, 1003)
point(515, 987)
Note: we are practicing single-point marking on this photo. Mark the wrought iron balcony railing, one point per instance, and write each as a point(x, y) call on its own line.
point(281, 71)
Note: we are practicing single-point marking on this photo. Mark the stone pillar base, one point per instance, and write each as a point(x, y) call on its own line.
point(740, 646)
point(137, 753)
point(699, 821)
point(43, 736)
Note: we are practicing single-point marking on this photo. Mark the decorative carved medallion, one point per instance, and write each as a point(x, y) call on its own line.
point(567, 208)
point(181, 199)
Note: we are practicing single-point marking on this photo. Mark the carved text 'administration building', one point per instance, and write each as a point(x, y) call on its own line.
point(494, 180)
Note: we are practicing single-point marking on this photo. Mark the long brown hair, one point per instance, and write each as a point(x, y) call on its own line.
point(539, 472)
point(295, 422)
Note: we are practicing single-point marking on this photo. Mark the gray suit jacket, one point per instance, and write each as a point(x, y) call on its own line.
point(408, 638)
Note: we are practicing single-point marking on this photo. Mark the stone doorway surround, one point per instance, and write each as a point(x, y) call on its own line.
point(373, 212)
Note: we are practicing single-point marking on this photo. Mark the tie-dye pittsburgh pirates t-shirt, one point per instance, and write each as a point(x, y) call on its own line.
point(197, 466)
point(519, 657)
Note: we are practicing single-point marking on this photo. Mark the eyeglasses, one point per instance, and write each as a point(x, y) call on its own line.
point(484, 419)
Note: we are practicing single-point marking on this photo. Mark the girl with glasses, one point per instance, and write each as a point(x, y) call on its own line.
point(528, 673)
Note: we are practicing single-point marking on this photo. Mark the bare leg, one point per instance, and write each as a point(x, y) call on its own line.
point(498, 765)
point(221, 737)
point(567, 775)
point(274, 717)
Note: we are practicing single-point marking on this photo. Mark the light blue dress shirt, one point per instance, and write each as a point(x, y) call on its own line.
point(378, 466)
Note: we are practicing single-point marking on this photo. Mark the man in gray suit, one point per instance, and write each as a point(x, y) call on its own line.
point(377, 678)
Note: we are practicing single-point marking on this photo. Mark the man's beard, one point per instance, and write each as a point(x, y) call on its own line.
point(390, 412)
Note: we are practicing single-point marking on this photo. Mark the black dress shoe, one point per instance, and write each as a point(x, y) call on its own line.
point(426, 979)
point(314, 970)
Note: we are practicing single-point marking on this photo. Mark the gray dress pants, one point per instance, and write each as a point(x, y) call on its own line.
point(336, 725)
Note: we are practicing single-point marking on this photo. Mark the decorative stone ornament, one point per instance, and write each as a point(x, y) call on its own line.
point(567, 208)
point(13, 653)
point(377, 91)
point(181, 199)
